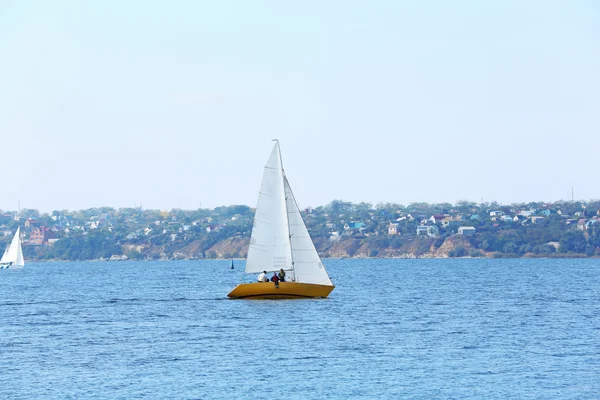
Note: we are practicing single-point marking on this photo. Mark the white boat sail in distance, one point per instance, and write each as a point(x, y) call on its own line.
point(13, 255)
point(280, 240)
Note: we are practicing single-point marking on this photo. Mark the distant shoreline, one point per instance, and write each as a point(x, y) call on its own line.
point(338, 230)
point(405, 257)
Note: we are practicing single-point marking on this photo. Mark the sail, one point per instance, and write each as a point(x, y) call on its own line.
point(308, 267)
point(14, 253)
point(269, 248)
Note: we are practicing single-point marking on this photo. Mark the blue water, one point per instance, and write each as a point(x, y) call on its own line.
point(460, 328)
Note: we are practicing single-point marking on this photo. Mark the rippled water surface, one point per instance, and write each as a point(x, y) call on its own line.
point(464, 328)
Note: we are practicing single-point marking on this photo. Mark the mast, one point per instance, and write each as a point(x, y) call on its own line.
point(287, 216)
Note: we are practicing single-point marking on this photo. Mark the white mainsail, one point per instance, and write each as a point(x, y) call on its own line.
point(14, 253)
point(279, 237)
point(269, 248)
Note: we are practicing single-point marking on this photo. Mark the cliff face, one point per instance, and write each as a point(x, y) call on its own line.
point(235, 247)
point(231, 248)
point(362, 248)
point(349, 247)
point(453, 244)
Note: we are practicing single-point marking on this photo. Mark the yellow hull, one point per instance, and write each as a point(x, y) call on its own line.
point(286, 290)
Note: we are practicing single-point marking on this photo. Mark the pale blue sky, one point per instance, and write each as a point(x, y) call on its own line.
point(169, 104)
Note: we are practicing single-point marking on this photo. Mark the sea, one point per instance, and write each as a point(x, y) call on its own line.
point(391, 329)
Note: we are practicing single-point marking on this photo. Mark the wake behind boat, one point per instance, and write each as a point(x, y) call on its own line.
point(280, 240)
point(13, 255)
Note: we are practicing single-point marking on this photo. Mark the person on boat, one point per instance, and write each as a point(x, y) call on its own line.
point(281, 275)
point(275, 279)
point(263, 277)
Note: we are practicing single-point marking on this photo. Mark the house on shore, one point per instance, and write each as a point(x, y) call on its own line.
point(428, 230)
point(467, 230)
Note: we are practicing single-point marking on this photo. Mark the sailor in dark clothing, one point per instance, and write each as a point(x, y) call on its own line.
point(275, 279)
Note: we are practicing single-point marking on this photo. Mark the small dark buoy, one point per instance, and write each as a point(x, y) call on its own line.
point(232, 264)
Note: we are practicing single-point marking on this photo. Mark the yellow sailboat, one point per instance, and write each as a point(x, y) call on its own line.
point(280, 240)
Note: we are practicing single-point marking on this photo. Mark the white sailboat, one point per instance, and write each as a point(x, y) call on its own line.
point(13, 255)
point(280, 240)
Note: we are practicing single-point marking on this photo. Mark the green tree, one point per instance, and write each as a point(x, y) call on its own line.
point(573, 241)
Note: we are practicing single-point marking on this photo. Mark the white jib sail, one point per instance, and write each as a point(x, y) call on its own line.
point(269, 248)
point(14, 253)
point(308, 267)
